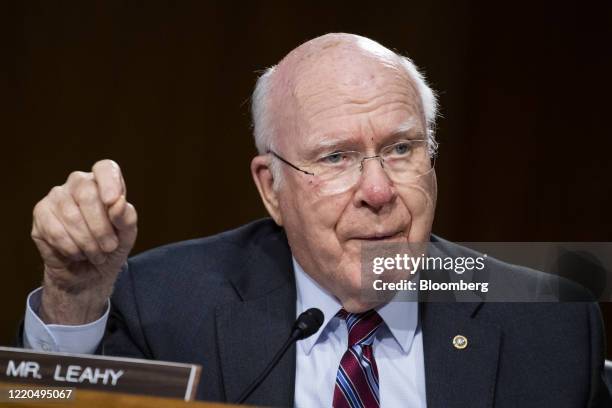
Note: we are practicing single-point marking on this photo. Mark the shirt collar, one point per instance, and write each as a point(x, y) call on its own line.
point(401, 318)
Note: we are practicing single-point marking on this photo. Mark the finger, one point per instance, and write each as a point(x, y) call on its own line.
point(87, 198)
point(49, 230)
point(125, 219)
point(69, 214)
point(110, 181)
point(122, 214)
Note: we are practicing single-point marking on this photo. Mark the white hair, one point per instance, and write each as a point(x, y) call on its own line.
point(262, 122)
point(263, 128)
point(429, 101)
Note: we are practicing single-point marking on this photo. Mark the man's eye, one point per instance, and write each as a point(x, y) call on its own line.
point(333, 158)
point(401, 148)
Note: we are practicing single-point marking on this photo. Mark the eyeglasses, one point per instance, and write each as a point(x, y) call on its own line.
point(404, 162)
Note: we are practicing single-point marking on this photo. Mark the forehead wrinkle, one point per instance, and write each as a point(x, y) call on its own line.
point(326, 112)
point(351, 78)
point(312, 101)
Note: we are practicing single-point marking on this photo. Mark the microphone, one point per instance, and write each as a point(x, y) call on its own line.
point(305, 325)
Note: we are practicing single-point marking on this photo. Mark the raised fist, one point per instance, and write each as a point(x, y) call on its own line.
point(84, 231)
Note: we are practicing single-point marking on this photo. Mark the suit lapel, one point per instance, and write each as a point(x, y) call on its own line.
point(250, 331)
point(459, 377)
point(249, 336)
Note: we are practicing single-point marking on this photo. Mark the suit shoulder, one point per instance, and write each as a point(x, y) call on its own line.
point(214, 254)
point(241, 238)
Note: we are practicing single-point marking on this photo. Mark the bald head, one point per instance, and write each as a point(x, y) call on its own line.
point(333, 64)
point(338, 59)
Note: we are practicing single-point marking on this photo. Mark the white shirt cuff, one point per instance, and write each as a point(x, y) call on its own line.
point(81, 339)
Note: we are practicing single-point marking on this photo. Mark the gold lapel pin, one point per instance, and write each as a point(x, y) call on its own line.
point(460, 342)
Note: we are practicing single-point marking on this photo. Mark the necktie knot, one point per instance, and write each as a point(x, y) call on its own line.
point(361, 326)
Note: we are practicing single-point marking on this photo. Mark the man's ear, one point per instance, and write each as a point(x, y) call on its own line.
point(264, 180)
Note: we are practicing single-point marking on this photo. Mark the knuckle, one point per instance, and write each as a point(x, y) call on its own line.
point(35, 231)
point(87, 193)
point(70, 213)
point(76, 179)
point(36, 211)
point(56, 193)
point(76, 176)
point(57, 237)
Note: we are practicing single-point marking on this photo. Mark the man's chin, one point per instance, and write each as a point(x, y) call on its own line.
point(358, 306)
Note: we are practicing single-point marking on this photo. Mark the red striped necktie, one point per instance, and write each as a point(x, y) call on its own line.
point(357, 378)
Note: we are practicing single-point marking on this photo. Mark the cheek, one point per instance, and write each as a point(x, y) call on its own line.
point(325, 208)
point(420, 200)
point(310, 222)
point(420, 197)
point(311, 214)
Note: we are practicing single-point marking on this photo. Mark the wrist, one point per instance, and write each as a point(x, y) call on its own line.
point(72, 307)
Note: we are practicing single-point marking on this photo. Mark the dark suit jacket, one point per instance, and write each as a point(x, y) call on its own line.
point(227, 302)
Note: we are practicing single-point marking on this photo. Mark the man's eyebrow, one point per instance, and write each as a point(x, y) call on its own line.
point(406, 128)
point(332, 143)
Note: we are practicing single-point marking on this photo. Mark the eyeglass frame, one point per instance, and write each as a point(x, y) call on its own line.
point(363, 159)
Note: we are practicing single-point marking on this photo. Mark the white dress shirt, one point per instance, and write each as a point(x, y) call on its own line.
point(398, 350)
point(398, 346)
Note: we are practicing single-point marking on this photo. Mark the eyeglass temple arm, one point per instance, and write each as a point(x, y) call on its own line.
point(289, 163)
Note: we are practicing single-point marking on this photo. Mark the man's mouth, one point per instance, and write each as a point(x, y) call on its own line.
point(380, 236)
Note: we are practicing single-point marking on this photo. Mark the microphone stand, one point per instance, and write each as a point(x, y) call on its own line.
point(247, 393)
point(306, 325)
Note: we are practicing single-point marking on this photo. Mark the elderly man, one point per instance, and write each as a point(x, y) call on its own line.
point(344, 130)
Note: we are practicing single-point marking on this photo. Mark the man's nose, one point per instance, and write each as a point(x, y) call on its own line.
point(375, 189)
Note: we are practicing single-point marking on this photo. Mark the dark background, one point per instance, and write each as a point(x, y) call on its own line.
point(162, 87)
